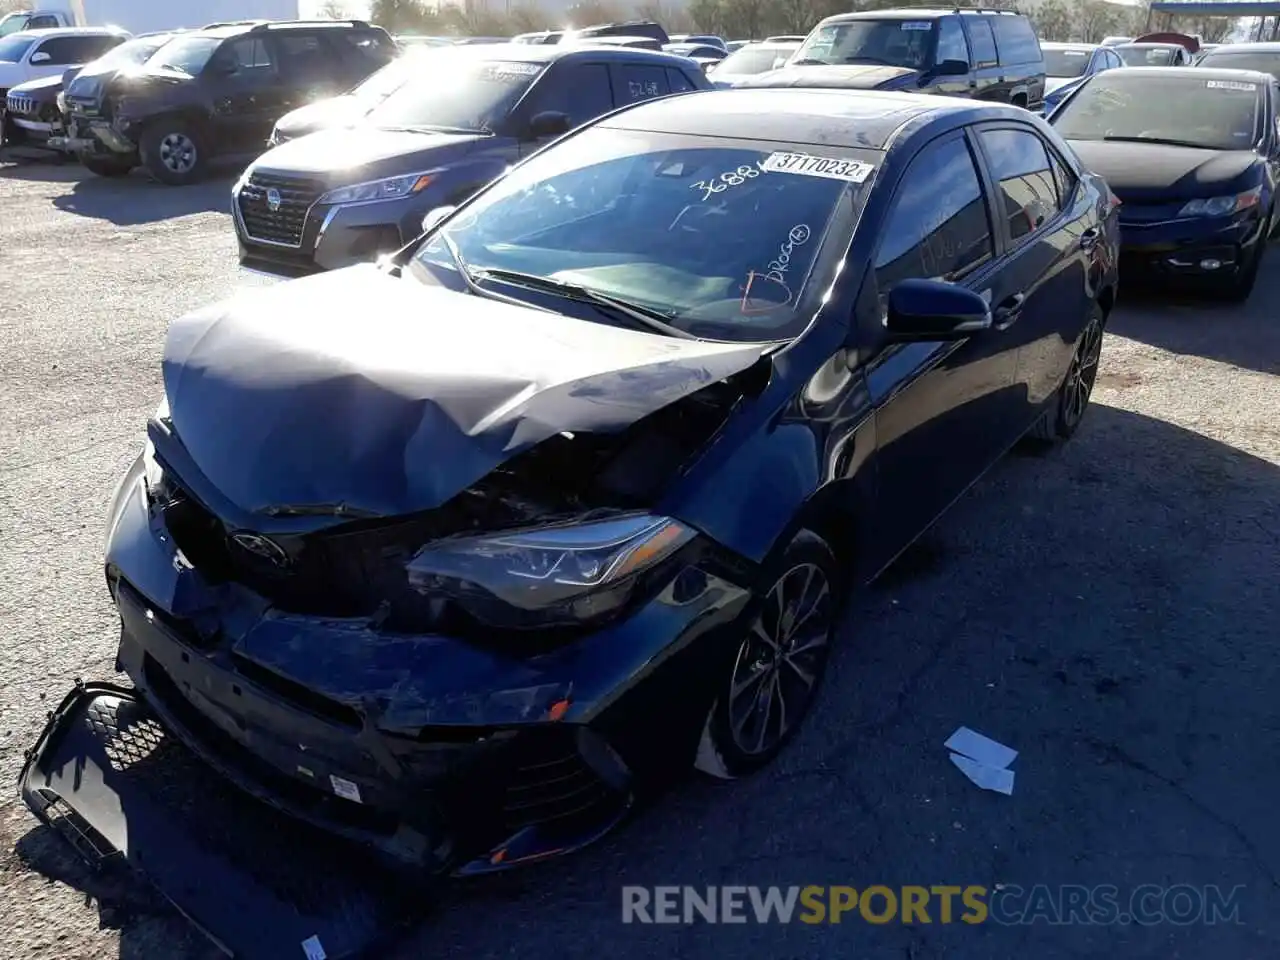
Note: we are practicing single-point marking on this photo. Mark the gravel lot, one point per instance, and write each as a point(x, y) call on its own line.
point(1110, 609)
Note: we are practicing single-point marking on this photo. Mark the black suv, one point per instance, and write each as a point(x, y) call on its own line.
point(218, 91)
point(981, 53)
point(338, 197)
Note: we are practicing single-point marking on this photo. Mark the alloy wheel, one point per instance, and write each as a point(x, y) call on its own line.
point(776, 672)
point(178, 152)
point(1081, 376)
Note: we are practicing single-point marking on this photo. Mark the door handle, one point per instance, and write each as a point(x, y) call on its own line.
point(1089, 239)
point(1007, 313)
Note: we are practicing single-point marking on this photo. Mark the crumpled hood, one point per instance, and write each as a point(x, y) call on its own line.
point(323, 114)
point(389, 396)
point(865, 77)
point(44, 84)
point(1155, 172)
point(346, 156)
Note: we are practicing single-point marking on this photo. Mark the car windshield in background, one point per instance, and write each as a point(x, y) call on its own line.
point(457, 93)
point(750, 60)
point(1066, 64)
point(392, 77)
point(895, 43)
point(1211, 114)
point(132, 52)
point(14, 48)
point(723, 240)
point(1226, 60)
point(1146, 56)
point(185, 54)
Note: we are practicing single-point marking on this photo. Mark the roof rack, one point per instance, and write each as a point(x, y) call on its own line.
point(286, 24)
point(232, 23)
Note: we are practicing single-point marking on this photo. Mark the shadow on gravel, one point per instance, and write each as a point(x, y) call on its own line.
point(1245, 335)
point(136, 199)
point(1108, 609)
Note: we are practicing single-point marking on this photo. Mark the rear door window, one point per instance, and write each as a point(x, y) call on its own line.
point(982, 43)
point(679, 81)
point(1015, 40)
point(246, 57)
point(302, 57)
point(1026, 185)
point(636, 82)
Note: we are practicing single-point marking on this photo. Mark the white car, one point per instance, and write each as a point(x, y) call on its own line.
point(34, 54)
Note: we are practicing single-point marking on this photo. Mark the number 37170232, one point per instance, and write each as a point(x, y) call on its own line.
point(730, 178)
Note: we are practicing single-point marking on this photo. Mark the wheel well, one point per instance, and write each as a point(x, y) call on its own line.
point(1107, 300)
point(837, 528)
point(1019, 100)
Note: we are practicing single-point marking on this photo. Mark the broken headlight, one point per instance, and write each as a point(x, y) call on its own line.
point(561, 574)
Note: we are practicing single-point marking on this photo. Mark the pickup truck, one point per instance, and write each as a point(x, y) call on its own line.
point(142, 16)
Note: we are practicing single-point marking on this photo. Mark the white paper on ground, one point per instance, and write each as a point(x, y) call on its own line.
point(984, 750)
point(988, 778)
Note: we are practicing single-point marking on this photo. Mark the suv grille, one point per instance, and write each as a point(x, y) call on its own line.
point(274, 208)
point(20, 104)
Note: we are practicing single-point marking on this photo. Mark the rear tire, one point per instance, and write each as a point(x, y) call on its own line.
point(1067, 408)
point(774, 677)
point(174, 152)
point(108, 166)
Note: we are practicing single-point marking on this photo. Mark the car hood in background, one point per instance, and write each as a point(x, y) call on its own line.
point(1154, 172)
point(866, 77)
point(44, 84)
point(334, 112)
point(389, 396)
point(344, 156)
point(1056, 83)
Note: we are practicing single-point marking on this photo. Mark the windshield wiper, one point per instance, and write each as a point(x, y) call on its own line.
point(316, 510)
point(1160, 140)
point(470, 279)
point(807, 62)
point(645, 316)
point(429, 128)
point(885, 63)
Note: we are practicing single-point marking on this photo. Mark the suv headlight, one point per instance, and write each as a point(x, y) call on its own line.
point(62, 101)
point(389, 188)
point(1222, 206)
point(561, 574)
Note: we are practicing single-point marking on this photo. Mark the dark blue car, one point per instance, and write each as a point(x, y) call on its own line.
point(1197, 183)
point(466, 113)
point(457, 555)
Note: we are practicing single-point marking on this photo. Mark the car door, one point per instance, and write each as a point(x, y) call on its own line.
point(247, 96)
point(945, 411)
point(988, 81)
point(1040, 296)
point(634, 82)
point(577, 88)
point(952, 45)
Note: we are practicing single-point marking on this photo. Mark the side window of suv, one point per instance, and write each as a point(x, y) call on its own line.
point(373, 46)
point(637, 82)
point(1026, 185)
point(1015, 40)
point(245, 56)
point(303, 57)
point(679, 81)
point(939, 226)
point(579, 89)
point(981, 41)
point(64, 51)
point(951, 42)
point(42, 22)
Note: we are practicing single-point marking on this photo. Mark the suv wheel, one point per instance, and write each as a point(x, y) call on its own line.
point(174, 152)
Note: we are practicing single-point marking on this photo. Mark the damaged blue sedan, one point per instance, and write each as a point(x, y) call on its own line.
point(437, 566)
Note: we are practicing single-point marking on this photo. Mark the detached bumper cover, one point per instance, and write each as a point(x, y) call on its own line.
point(107, 776)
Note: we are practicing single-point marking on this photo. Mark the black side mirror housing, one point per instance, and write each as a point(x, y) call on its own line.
point(922, 310)
point(951, 68)
point(548, 123)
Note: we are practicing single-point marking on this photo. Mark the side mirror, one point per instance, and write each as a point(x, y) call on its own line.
point(548, 123)
point(934, 310)
point(40, 57)
point(435, 216)
point(951, 68)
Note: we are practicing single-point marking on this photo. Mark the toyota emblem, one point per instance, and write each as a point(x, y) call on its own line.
point(273, 199)
point(262, 547)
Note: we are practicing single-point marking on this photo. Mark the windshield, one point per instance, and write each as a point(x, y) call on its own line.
point(750, 60)
point(722, 239)
point(897, 43)
point(1262, 62)
point(457, 93)
point(382, 83)
point(1065, 64)
point(131, 52)
point(13, 23)
point(1211, 114)
point(1147, 56)
point(14, 48)
point(188, 54)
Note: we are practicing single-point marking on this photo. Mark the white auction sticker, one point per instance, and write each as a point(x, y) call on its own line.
point(917, 25)
point(1230, 85)
point(312, 949)
point(345, 788)
point(808, 165)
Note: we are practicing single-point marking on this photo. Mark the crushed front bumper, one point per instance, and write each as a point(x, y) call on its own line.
point(107, 776)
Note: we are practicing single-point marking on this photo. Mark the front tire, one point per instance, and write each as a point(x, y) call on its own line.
point(174, 152)
point(1239, 287)
point(1067, 409)
point(774, 677)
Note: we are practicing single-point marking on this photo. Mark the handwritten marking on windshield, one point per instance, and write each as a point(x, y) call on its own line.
point(730, 178)
point(779, 265)
point(833, 168)
point(775, 275)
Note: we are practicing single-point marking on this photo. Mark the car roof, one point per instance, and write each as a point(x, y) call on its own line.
point(915, 13)
point(1194, 73)
point(866, 120)
point(1266, 46)
point(1057, 45)
point(550, 52)
point(73, 32)
point(1149, 46)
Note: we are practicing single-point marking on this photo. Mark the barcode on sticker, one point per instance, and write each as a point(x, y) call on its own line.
point(810, 166)
point(345, 789)
point(1230, 85)
point(312, 949)
point(917, 25)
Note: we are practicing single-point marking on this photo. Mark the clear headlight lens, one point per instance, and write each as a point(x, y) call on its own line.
point(1222, 206)
point(568, 573)
point(390, 188)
